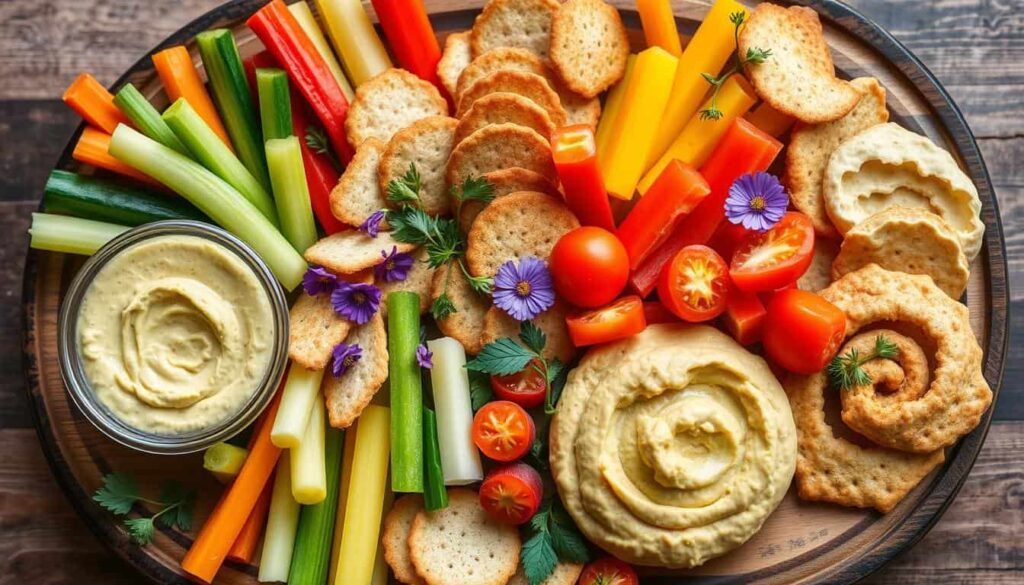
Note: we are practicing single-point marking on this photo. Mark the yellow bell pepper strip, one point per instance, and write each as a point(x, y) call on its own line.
point(769, 120)
point(659, 25)
point(362, 53)
point(348, 453)
point(707, 52)
point(698, 139)
point(633, 135)
point(612, 107)
point(308, 23)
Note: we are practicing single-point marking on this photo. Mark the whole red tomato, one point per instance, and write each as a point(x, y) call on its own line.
point(802, 331)
point(589, 266)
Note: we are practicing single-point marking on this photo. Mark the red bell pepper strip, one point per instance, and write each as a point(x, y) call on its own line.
point(744, 317)
point(321, 176)
point(744, 149)
point(575, 153)
point(412, 39)
point(677, 191)
point(281, 34)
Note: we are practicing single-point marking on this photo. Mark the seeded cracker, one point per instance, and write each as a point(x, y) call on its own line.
point(427, 144)
point(456, 56)
point(589, 46)
point(500, 146)
point(508, 181)
point(525, 24)
point(357, 194)
point(389, 102)
point(348, 394)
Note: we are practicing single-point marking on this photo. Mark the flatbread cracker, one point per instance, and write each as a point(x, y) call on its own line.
point(427, 143)
point(466, 324)
point(578, 109)
point(419, 280)
point(508, 181)
point(819, 273)
point(502, 59)
point(350, 251)
point(564, 574)
point(504, 108)
point(348, 394)
point(315, 328)
point(389, 102)
point(525, 24)
point(456, 56)
point(498, 324)
point(357, 194)
point(500, 146)
point(589, 46)
point(529, 85)
point(395, 538)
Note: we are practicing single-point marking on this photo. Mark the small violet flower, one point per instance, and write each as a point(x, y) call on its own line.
point(372, 224)
point(424, 357)
point(345, 356)
point(523, 291)
point(317, 281)
point(757, 202)
point(395, 267)
point(356, 302)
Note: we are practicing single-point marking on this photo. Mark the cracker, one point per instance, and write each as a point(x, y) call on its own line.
point(351, 251)
point(498, 324)
point(500, 146)
point(819, 273)
point(529, 85)
point(508, 181)
point(462, 545)
point(466, 324)
point(798, 78)
point(395, 538)
point(564, 574)
point(811, 145)
point(525, 24)
point(427, 143)
point(315, 328)
point(504, 108)
point(456, 56)
point(517, 225)
point(389, 102)
point(578, 109)
point(419, 280)
point(589, 46)
point(348, 394)
point(501, 59)
point(357, 194)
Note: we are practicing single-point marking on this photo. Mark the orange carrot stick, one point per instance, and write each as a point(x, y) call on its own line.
point(245, 545)
point(225, 523)
point(180, 79)
point(94, 103)
point(91, 149)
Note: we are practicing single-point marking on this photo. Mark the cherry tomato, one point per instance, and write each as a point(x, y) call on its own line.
point(772, 259)
point(695, 284)
point(608, 571)
point(655, 312)
point(727, 238)
point(511, 493)
point(620, 319)
point(589, 267)
point(526, 388)
point(802, 331)
point(503, 431)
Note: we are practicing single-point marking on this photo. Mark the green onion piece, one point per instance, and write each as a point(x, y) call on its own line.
point(145, 117)
point(224, 460)
point(435, 496)
point(59, 233)
point(230, 91)
point(312, 555)
point(291, 193)
point(69, 193)
point(275, 104)
point(212, 196)
point(406, 392)
point(213, 154)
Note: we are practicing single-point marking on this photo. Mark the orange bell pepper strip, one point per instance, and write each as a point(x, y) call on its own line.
point(411, 36)
point(181, 80)
point(91, 149)
point(744, 317)
point(659, 25)
point(575, 153)
point(94, 103)
point(772, 121)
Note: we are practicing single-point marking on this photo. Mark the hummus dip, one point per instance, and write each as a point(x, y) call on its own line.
point(175, 334)
point(672, 447)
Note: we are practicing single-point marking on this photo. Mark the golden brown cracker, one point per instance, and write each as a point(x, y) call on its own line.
point(501, 59)
point(466, 324)
point(506, 181)
point(529, 85)
point(504, 108)
point(564, 574)
point(819, 273)
point(350, 251)
point(500, 146)
point(357, 194)
point(498, 324)
point(389, 102)
point(589, 46)
point(419, 280)
point(348, 394)
point(525, 24)
point(315, 328)
point(455, 58)
point(395, 538)
point(427, 144)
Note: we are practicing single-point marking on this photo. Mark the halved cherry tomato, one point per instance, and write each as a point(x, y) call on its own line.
point(655, 312)
point(589, 267)
point(608, 571)
point(503, 431)
point(526, 388)
point(620, 319)
point(511, 493)
point(772, 259)
point(695, 284)
point(744, 317)
point(802, 331)
point(727, 238)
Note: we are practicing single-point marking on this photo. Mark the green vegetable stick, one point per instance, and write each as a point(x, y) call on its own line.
point(142, 113)
point(435, 496)
point(406, 392)
point(69, 193)
point(291, 192)
point(275, 104)
point(312, 555)
point(71, 235)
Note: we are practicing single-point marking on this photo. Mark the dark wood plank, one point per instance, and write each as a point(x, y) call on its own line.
point(35, 132)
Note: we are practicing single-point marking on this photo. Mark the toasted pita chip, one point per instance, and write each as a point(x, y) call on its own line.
point(508, 181)
point(498, 324)
point(348, 394)
point(389, 102)
point(427, 143)
point(589, 46)
point(501, 59)
point(525, 24)
point(315, 328)
point(419, 280)
point(503, 108)
point(456, 56)
point(466, 324)
point(529, 85)
point(357, 194)
point(351, 251)
point(500, 146)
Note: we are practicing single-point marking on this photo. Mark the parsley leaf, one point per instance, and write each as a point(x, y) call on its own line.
point(532, 336)
point(753, 56)
point(411, 225)
point(555, 538)
point(405, 189)
point(140, 529)
point(565, 537)
point(179, 502)
point(501, 358)
point(442, 307)
point(557, 375)
point(480, 391)
point(538, 455)
point(538, 558)
point(316, 139)
point(476, 189)
point(118, 494)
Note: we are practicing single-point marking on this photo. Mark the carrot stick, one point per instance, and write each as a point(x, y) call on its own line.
point(92, 150)
point(225, 523)
point(94, 103)
point(180, 79)
point(245, 545)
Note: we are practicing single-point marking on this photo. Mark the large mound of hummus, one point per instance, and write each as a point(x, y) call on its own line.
point(672, 447)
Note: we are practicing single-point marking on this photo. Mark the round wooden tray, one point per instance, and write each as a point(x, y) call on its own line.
point(800, 542)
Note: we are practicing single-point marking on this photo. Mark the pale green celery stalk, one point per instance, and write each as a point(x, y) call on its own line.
point(145, 117)
point(214, 197)
point(209, 150)
point(230, 90)
point(72, 235)
point(291, 193)
point(275, 104)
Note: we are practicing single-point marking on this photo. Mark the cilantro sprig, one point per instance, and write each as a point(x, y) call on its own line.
point(753, 56)
point(845, 371)
point(120, 493)
point(554, 538)
point(504, 357)
point(316, 140)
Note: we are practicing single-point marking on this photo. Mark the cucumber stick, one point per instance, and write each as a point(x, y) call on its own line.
point(145, 117)
point(435, 496)
point(234, 101)
point(406, 392)
point(101, 200)
point(72, 235)
point(213, 154)
point(312, 555)
point(214, 197)
point(291, 193)
point(275, 104)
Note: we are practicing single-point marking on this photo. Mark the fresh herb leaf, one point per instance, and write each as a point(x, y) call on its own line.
point(481, 285)
point(476, 189)
point(501, 358)
point(756, 55)
point(556, 374)
point(179, 504)
point(532, 336)
point(410, 225)
point(737, 18)
point(555, 539)
point(405, 189)
point(140, 529)
point(538, 558)
point(753, 56)
point(568, 543)
point(316, 139)
point(845, 371)
point(538, 455)
point(884, 348)
point(442, 307)
point(480, 391)
point(118, 494)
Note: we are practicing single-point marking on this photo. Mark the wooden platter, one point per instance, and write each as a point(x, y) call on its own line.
point(800, 542)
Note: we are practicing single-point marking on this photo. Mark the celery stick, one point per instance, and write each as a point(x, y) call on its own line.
point(59, 233)
point(142, 113)
point(309, 476)
point(301, 390)
point(275, 104)
point(460, 459)
point(213, 154)
point(282, 520)
point(291, 193)
point(406, 392)
point(309, 25)
point(224, 461)
point(234, 102)
point(316, 523)
point(213, 197)
point(435, 496)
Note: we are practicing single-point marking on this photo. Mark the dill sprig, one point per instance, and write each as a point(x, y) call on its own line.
point(753, 56)
point(845, 371)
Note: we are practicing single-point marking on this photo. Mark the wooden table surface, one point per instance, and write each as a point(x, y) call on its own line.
point(974, 47)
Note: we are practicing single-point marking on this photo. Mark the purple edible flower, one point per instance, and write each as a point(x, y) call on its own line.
point(523, 291)
point(372, 224)
point(424, 357)
point(395, 267)
point(356, 302)
point(345, 356)
point(757, 202)
point(317, 280)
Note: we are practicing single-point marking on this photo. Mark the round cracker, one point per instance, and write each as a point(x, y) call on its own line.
point(500, 146)
point(506, 181)
point(525, 24)
point(419, 280)
point(517, 225)
point(564, 574)
point(578, 109)
point(589, 46)
point(357, 195)
point(389, 102)
point(819, 273)
point(395, 538)
point(498, 324)
point(466, 324)
point(529, 85)
point(504, 108)
point(427, 144)
point(455, 58)
point(501, 59)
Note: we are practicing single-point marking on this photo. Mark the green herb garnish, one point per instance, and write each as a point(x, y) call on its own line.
point(554, 538)
point(845, 371)
point(754, 56)
point(120, 492)
point(504, 357)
